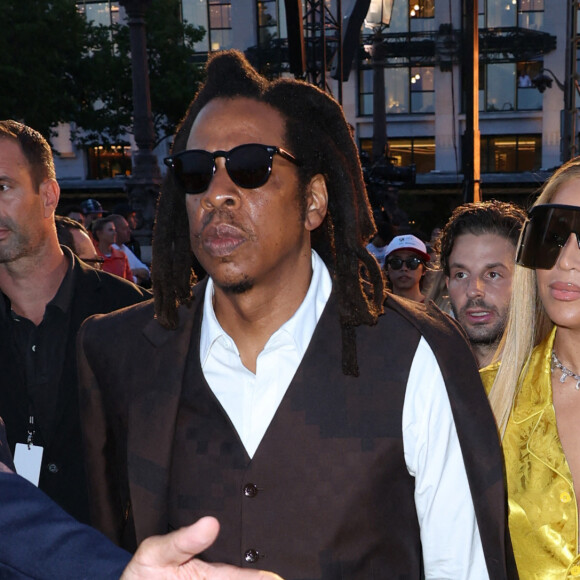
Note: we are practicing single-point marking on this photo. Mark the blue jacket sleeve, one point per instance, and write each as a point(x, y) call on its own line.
point(39, 540)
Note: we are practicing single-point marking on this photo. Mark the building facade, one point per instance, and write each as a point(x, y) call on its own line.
point(421, 55)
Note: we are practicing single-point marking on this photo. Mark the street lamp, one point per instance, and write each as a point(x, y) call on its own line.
point(377, 19)
point(470, 72)
point(542, 81)
point(143, 186)
point(379, 14)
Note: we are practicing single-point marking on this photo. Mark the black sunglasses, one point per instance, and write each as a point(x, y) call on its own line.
point(545, 234)
point(411, 263)
point(249, 166)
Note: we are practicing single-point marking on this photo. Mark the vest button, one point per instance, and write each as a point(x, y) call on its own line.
point(53, 467)
point(250, 490)
point(251, 556)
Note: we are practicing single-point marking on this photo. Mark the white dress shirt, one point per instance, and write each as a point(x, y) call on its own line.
point(450, 537)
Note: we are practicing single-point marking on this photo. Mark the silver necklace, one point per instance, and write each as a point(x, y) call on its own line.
point(566, 372)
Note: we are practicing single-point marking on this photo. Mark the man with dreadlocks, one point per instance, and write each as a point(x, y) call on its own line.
point(258, 395)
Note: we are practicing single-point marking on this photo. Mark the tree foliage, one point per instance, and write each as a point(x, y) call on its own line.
point(57, 67)
point(40, 48)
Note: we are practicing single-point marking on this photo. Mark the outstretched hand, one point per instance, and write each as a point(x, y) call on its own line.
point(172, 557)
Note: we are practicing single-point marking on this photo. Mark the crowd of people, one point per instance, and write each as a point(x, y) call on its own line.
point(346, 400)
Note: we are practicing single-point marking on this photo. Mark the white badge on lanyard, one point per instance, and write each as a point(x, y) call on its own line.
point(28, 460)
point(28, 457)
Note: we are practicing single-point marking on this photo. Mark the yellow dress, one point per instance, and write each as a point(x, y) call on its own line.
point(543, 516)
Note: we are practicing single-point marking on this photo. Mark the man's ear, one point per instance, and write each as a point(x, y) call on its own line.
point(316, 202)
point(50, 193)
point(447, 282)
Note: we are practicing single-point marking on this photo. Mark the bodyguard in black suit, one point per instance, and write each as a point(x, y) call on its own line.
point(45, 295)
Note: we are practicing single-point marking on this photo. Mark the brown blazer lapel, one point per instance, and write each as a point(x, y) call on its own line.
point(152, 418)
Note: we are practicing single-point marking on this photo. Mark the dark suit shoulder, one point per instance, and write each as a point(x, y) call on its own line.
point(130, 317)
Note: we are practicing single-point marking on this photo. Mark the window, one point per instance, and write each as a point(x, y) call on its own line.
point(500, 13)
point(500, 88)
point(508, 87)
point(397, 81)
point(195, 12)
point(421, 15)
point(220, 24)
point(407, 90)
point(511, 153)
point(481, 14)
point(531, 14)
point(105, 13)
point(365, 87)
point(271, 21)
point(411, 16)
point(422, 90)
point(420, 151)
point(528, 97)
point(506, 13)
point(107, 162)
point(215, 16)
point(406, 151)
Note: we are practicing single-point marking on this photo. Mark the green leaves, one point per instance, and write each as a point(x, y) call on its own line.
point(57, 67)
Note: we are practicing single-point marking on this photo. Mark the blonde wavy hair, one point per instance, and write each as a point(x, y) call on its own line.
point(527, 324)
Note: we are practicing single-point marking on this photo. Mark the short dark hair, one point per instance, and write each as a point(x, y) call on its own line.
point(64, 225)
point(316, 133)
point(99, 224)
point(71, 209)
point(35, 149)
point(489, 217)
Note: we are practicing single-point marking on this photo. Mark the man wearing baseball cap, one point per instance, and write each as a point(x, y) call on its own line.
point(405, 264)
point(92, 210)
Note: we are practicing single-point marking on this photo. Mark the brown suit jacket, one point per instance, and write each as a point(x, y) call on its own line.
point(129, 419)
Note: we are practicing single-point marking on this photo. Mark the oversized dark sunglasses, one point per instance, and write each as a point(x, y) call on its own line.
point(249, 166)
point(545, 234)
point(411, 263)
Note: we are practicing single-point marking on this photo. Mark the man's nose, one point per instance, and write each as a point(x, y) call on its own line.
point(222, 191)
point(475, 287)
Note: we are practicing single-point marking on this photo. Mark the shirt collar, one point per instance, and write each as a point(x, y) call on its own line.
point(299, 328)
point(63, 296)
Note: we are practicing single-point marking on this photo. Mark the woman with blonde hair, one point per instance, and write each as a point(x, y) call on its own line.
point(535, 391)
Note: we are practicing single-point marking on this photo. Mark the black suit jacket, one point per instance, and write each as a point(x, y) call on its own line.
point(62, 474)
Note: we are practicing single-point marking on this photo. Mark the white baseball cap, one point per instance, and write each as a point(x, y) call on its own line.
point(408, 242)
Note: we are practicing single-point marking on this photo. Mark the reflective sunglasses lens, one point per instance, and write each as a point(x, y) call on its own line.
point(412, 263)
point(395, 263)
point(249, 166)
point(546, 233)
point(194, 170)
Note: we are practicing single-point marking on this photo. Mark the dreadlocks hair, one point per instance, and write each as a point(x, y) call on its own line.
point(318, 134)
point(489, 217)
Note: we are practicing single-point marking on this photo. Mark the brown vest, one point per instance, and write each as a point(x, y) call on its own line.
point(327, 494)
